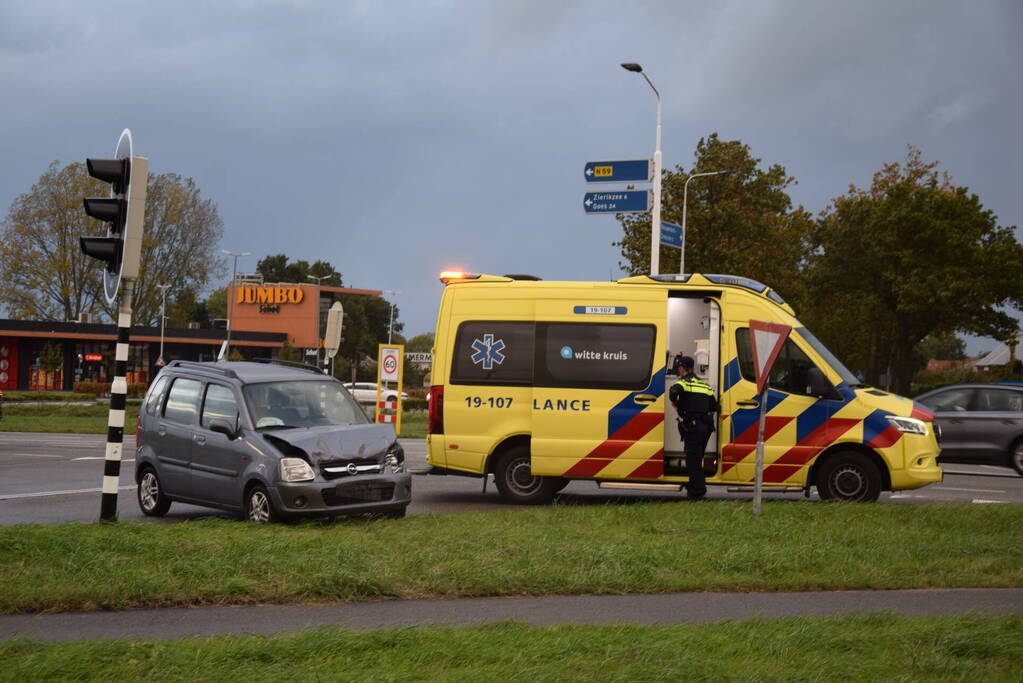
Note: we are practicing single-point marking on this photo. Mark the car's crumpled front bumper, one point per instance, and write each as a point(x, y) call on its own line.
point(361, 494)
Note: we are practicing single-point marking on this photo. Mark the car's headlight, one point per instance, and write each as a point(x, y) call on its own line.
point(909, 425)
point(296, 469)
point(395, 458)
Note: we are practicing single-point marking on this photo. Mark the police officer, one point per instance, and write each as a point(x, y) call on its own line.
point(694, 400)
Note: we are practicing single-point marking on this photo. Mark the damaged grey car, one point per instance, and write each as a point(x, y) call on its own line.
point(270, 441)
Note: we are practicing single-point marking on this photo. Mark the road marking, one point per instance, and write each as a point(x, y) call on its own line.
point(12, 496)
point(953, 488)
point(100, 457)
point(981, 500)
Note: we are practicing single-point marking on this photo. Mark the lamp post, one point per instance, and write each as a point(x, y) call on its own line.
point(390, 325)
point(685, 197)
point(163, 317)
point(230, 302)
point(319, 283)
point(655, 217)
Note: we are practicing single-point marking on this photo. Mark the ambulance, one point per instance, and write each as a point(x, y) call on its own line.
point(539, 383)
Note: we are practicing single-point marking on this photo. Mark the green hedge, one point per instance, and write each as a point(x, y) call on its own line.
point(135, 390)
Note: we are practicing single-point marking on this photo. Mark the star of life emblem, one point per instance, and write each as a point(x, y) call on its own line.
point(488, 351)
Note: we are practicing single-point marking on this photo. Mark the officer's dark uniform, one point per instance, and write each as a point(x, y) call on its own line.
point(694, 400)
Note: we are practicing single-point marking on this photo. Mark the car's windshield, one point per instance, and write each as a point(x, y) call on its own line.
point(829, 358)
point(308, 403)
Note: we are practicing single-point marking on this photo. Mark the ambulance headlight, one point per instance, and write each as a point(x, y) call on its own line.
point(909, 425)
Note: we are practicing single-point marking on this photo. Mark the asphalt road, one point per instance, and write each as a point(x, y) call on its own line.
point(55, 478)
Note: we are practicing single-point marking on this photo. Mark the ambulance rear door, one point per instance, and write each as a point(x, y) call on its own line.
point(598, 383)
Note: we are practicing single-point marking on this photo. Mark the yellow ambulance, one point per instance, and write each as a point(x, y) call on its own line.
point(540, 383)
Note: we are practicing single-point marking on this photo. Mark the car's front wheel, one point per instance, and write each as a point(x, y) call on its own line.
point(1016, 456)
point(850, 477)
point(152, 500)
point(258, 506)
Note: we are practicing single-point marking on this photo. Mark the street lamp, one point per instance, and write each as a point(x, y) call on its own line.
point(390, 325)
point(319, 283)
point(685, 197)
point(163, 317)
point(655, 217)
point(230, 302)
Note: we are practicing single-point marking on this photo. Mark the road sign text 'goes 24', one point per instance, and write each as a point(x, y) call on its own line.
point(621, 201)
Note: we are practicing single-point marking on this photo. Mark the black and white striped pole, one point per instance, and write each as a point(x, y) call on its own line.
point(121, 251)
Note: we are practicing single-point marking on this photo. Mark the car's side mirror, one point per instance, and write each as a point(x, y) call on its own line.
point(819, 385)
point(222, 427)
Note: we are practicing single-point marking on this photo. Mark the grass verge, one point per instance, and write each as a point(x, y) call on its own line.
point(858, 648)
point(558, 549)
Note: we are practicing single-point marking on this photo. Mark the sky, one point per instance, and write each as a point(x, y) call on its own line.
point(400, 139)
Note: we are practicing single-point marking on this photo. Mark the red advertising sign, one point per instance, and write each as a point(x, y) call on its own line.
point(94, 358)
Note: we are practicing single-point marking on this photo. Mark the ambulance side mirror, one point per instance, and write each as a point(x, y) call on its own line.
point(819, 385)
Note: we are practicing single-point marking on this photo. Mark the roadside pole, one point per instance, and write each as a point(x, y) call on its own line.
point(118, 401)
point(767, 340)
point(121, 253)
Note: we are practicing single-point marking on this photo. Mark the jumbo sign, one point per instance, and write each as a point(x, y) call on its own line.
point(269, 298)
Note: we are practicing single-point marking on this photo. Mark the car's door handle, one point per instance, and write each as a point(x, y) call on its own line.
point(644, 398)
point(161, 430)
point(751, 403)
point(199, 439)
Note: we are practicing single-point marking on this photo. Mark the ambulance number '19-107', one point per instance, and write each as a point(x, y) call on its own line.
point(488, 402)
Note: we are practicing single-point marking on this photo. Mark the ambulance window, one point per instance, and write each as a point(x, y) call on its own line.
point(791, 369)
point(493, 353)
point(594, 355)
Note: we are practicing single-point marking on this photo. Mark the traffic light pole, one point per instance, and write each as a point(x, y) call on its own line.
point(118, 400)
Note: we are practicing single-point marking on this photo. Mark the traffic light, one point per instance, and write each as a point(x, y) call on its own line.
point(113, 211)
point(123, 212)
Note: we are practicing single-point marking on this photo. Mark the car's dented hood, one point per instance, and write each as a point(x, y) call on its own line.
point(894, 404)
point(352, 442)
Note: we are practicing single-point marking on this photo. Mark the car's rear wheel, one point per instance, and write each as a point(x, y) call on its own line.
point(850, 477)
point(1016, 456)
point(517, 483)
point(152, 500)
point(259, 507)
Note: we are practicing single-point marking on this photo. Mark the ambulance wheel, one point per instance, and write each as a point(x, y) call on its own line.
point(517, 483)
point(850, 477)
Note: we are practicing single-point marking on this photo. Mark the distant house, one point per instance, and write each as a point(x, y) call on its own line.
point(1001, 356)
point(935, 365)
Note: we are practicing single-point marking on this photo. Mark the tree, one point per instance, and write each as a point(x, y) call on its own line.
point(415, 373)
point(44, 275)
point(911, 257)
point(277, 268)
point(741, 223)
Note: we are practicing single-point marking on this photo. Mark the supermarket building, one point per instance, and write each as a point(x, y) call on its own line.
point(262, 317)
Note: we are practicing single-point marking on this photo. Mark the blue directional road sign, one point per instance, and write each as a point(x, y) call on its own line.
point(620, 201)
point(627, 171)
point(671, 234)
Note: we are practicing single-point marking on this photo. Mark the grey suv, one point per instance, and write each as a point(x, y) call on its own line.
point(268, 440)
point(979, 422)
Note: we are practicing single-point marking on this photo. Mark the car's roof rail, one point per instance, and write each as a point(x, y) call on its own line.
point(522, 276)
point(291, 364)
point(212, 367)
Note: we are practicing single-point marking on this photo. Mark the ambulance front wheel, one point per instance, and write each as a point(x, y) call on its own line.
point(850, 477)
point(517, 483)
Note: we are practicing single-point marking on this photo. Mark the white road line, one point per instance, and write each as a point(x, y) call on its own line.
point(12, 496)
point(953, 488)
point(981, 500)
